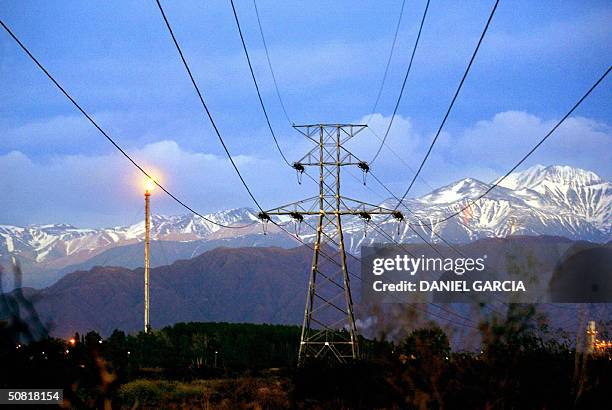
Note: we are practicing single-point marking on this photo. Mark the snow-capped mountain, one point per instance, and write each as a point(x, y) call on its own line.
point(577, 191)
point(554, 200)
point(55, 246)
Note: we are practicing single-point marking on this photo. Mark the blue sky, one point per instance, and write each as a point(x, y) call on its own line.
point(117, 60)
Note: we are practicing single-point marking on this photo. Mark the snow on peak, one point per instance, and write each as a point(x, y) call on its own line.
point(189, 226)
point(232, 215)
point(557, 174)
point(456, 191)
point(558, 200)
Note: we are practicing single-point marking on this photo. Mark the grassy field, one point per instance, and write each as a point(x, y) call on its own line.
point(238, 393)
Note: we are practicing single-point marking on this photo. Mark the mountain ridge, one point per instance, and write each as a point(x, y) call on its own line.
point(553, 200)
point(258, 285)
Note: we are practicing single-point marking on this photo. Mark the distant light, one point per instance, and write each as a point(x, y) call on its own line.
point(149, 185)
point(67, 351)
point(72, 341)
point(100, 341)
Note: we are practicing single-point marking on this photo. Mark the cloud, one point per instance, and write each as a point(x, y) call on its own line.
point(501, 141)
point(484, 150)
point(73, 134)
point(58, 134)
point(554, 39)
point(106, 190)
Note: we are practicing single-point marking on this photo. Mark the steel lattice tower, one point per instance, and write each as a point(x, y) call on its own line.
point(328, 330)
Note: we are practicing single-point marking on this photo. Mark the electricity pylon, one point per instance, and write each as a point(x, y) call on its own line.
point(328, 330)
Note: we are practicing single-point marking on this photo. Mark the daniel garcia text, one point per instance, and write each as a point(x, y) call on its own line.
point(459, 266)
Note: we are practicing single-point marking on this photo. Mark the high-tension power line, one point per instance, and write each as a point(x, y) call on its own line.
point(334, 242)
point(529, 153)
point(263, 107)
point(107, 136)
point(265, 44)
point(386, 72)
point(322, 231)
point(398, 156)
point(399, 98)
point(300, 170)
point(450, 107)
point(420, 223)
point(205, 107)
point(419, 220)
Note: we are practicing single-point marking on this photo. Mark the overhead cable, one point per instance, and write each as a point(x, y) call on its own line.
point(108, 137)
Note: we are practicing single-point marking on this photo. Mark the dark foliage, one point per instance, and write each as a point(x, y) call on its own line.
point(223, 365)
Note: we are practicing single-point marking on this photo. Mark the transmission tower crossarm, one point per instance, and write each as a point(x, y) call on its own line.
point(370, 208)
point(348, 206)
point(312, 131)
point(293, 207)
point(311, 158)
point(317, 126)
